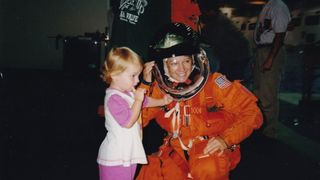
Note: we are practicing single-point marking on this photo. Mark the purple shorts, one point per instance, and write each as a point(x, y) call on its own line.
point(117, 172)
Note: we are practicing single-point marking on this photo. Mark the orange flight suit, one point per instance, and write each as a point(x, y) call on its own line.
point(221, 108)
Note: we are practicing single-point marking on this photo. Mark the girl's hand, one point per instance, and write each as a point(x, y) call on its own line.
point(147, 75)
point(167, 99)
point(139, 94)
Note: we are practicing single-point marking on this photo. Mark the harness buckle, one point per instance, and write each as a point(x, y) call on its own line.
point(186, 112)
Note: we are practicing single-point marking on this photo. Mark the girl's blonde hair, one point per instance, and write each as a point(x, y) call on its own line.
point(117, 61)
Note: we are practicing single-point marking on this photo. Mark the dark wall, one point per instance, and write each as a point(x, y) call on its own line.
point(26, 26)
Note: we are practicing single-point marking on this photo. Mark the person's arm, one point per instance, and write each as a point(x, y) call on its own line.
point(136, 107)
point(276, 45)
point(147, 75)
point(280, 18)
point(119, 108)
point(146, 79)
point(153, 102)
point(246, 114)
point(246, 117)
point(152, 91)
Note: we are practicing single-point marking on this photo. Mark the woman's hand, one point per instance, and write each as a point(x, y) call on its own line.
point(215, 144)
point(147, 75)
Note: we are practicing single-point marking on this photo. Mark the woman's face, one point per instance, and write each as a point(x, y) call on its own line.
point(179, 67)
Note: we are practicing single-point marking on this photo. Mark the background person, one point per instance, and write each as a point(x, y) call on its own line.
point(230, 48)
point(270, 60)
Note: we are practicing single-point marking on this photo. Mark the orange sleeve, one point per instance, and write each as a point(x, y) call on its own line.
point(240, 102)
point(144, 86)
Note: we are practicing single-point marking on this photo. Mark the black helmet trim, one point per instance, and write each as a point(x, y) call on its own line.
point(177, 50)
point(175, 39)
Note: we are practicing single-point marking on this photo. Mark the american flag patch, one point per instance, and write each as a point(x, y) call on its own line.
point(222, 82)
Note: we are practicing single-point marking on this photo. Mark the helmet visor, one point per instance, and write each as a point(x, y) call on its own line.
point(182, 77)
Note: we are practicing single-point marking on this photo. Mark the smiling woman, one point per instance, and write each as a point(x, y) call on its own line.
point(208, 118)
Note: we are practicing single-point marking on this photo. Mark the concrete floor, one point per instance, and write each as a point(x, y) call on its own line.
point(50, 130)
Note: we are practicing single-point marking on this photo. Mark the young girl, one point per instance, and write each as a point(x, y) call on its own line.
point(122, 148)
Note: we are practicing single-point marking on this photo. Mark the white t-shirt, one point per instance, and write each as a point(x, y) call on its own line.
point(274, 18)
